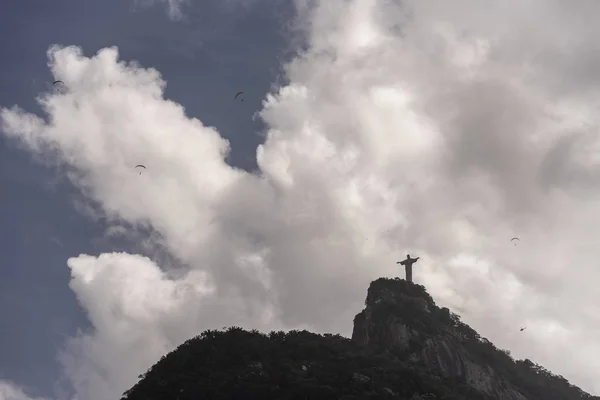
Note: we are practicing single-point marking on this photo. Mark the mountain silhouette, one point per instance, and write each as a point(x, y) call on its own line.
point(403, 346)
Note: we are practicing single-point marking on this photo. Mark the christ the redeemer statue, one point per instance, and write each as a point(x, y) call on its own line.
point(408, 266)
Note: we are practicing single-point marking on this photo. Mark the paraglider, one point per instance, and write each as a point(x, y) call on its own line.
point(59, 86)
point(237, 95)
point(140, 166)
point(515, 238)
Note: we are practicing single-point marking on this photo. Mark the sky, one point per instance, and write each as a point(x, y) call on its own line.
point(367, 130)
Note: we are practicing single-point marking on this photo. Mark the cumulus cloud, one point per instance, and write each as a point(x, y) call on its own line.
point(11, 391)
point(436, 129)
point(143, 318)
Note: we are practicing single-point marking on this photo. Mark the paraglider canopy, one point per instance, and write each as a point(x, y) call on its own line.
point(59, 86)
point(515, 238)
point(237, 95)
point(140, 166)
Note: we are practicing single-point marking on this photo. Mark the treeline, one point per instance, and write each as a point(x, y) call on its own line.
point(295, 365)
point(301, 365)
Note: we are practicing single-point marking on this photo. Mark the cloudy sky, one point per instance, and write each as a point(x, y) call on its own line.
point(367, 130)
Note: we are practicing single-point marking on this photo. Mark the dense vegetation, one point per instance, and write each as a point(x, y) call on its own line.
point(237, 364)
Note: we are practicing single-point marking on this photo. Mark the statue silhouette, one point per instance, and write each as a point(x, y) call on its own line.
point(408, 266)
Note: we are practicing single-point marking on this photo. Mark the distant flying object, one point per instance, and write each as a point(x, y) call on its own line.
point(237, 95)
point(59, 86)
point(515, 238)
point(522, 329)
point(140, 166)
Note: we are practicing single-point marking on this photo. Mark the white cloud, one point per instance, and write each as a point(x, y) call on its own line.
point(139, 314)
point(443, 135)
point(11, 391)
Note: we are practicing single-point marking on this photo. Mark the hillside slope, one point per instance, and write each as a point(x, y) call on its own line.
point(403, 347)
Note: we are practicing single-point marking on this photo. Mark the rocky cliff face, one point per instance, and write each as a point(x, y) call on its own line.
point(402, 318)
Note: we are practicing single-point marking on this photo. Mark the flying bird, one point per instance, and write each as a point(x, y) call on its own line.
point(522, 329)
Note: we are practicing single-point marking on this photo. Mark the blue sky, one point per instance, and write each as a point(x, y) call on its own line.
point(367, 131)
point(40, 228)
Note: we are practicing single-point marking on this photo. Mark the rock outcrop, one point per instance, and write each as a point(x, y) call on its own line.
point(402, 318)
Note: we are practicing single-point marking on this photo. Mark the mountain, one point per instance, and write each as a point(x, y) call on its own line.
point(403, 347)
